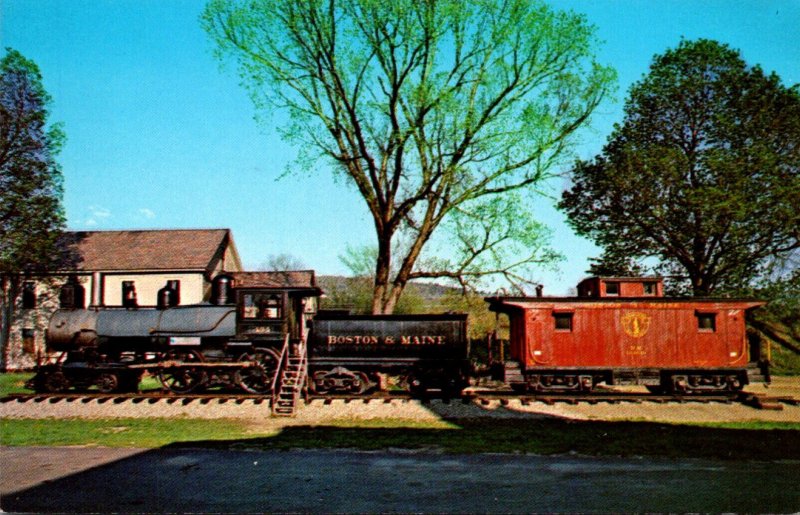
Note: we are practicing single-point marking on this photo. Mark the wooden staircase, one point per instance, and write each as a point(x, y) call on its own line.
point(290, 379)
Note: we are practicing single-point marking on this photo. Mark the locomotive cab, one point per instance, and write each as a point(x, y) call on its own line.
point(271, 306)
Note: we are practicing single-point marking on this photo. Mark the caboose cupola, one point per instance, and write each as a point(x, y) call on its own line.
point(621, 287)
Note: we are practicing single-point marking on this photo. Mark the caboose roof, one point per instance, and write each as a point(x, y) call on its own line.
point(504, 304)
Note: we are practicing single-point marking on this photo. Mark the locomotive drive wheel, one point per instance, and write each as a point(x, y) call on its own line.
point(55, 382)
point(257, 379)
point(182, 378)
point(107, 382)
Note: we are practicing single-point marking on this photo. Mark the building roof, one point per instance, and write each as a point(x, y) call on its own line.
point(163, 249)
point(296, 279)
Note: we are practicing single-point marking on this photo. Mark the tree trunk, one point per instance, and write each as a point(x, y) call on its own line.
point(383, 267)
point(7, 296)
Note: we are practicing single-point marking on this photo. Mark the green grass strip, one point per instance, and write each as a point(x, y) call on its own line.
point(757, 441)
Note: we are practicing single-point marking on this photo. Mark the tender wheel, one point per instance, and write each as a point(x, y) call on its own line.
point(182, 378)
point(107, 382)
point(257, 379)
point(414, 384)
point(55, 382)
point(360, 383)
point(320, 383)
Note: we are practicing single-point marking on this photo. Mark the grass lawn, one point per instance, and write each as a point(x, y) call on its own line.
point(14, 383)
point(758, 441)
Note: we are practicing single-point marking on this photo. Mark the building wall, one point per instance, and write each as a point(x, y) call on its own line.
point(192, 287)
point(28, 326)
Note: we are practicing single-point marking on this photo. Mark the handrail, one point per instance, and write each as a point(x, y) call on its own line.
point(279, 368)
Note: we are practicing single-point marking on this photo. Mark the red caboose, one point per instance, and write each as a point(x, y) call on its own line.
point(622, 330)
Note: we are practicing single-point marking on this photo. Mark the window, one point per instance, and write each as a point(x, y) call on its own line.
point(28, 295)
point(612, 288)
point(28, 341)
point(261, 305)
point(272, 309)
point(563, 321)
point(249, 308)
point(129, 294)
point(706, 322)
point(649, 288)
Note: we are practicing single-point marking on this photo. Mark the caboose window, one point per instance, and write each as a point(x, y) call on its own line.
point(563, 321)
point(649, 288)
point(707, 322)
point(612, 288)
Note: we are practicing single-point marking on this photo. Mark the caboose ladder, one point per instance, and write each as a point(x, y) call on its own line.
point(292, 378)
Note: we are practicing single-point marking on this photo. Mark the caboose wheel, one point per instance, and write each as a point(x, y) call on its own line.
point(182, 377)
point(258, 378)
point(107, 382)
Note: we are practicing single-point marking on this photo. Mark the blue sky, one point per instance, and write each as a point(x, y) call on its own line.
point(160, 137)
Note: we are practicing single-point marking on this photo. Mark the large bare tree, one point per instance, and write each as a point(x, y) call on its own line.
point(433, 110)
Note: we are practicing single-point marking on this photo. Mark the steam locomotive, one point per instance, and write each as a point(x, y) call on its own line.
point(261, 333)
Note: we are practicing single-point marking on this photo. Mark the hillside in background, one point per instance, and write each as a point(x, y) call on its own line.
point(354, 294)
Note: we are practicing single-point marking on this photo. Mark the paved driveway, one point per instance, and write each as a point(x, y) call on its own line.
point(205, 480)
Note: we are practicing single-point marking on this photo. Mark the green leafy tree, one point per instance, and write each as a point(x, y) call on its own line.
point(702, 174)
point(31, 216)
point(432, 110)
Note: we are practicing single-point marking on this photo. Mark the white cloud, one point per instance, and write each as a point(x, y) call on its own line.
point(97, 215)
point(146, 213)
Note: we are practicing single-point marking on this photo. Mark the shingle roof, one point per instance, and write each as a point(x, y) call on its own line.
point(300, 279)
point(168, 249)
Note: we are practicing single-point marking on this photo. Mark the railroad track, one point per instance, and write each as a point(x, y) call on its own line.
point(484, 397)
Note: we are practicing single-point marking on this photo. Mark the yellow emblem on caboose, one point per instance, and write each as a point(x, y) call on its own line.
point(635, 324)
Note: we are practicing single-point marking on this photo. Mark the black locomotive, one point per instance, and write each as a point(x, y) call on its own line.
point(260, 333)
